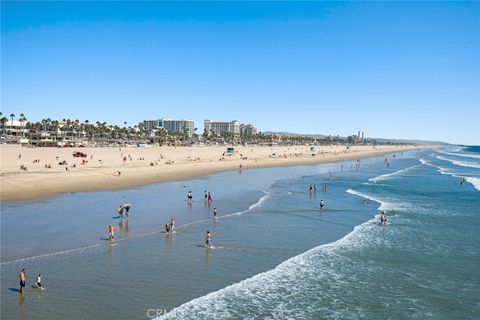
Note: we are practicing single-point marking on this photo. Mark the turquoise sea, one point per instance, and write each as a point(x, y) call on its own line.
point(275, 255)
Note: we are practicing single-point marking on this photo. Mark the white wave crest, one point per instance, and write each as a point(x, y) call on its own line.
point(474, 181)
point(393, 174)
point(466, 155)
point(423, 161)
point(460, 163)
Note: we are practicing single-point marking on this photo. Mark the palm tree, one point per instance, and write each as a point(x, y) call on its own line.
point(22, 121)
point(4, 120)
point(11, 116)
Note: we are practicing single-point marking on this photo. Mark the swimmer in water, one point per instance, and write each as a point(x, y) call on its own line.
point(172, 224)
point(382, 217)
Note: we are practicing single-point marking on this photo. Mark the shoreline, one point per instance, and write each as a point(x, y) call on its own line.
point(145, 166)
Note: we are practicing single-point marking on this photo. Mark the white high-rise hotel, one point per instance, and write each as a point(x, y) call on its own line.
point(169, 125)
point(219, 127)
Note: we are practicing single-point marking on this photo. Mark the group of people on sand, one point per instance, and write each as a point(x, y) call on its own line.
point(23, 277)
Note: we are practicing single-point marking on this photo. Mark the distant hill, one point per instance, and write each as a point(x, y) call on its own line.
point(382, 140)
point(318, 136)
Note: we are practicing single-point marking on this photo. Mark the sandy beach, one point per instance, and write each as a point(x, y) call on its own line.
point(119, 168)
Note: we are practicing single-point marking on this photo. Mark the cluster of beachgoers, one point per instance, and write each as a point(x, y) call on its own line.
point(55, 171)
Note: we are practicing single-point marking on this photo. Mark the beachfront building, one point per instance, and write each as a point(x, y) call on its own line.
point(222, 127)
point(13, 128)
point(247, 130)
point(169, 125)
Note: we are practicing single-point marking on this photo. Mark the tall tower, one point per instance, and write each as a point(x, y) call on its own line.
point(362, 136)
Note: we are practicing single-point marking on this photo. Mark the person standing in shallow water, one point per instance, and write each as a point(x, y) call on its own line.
point(22, 280)
point(322, 205)
point(111, 232)
point(208, 239)
point(215, 212)
point(120, 211)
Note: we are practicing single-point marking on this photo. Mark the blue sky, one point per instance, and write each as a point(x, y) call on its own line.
point(392, 69)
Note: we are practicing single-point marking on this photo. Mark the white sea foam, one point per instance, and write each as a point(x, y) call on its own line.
point(474, 181)
point(423, 161)
point(46, 255)
point(393, 174)
point(460, 163)
point(441, 169)
point(466, 155)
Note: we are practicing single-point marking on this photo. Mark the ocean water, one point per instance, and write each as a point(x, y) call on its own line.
point(425, 263)
point(275, 255)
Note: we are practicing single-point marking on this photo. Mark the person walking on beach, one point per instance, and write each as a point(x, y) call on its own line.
point(120, 211)
point(111, 232)
point(322, 204)
point(22, 280)
point(208, 239)
point(39, 281)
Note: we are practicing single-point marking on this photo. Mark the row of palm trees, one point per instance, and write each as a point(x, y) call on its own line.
point(103, 133)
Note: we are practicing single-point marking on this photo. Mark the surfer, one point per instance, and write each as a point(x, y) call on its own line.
point(22, 280)
point(120, 211)
point(39, 281)
point(208, 238)
point(111, 232)
point(214, 212)
point(322, 204)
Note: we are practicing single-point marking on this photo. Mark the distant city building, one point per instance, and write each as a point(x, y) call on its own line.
point(170, 125)
point(150, 124)
point(247, 130)
point(220, 127)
